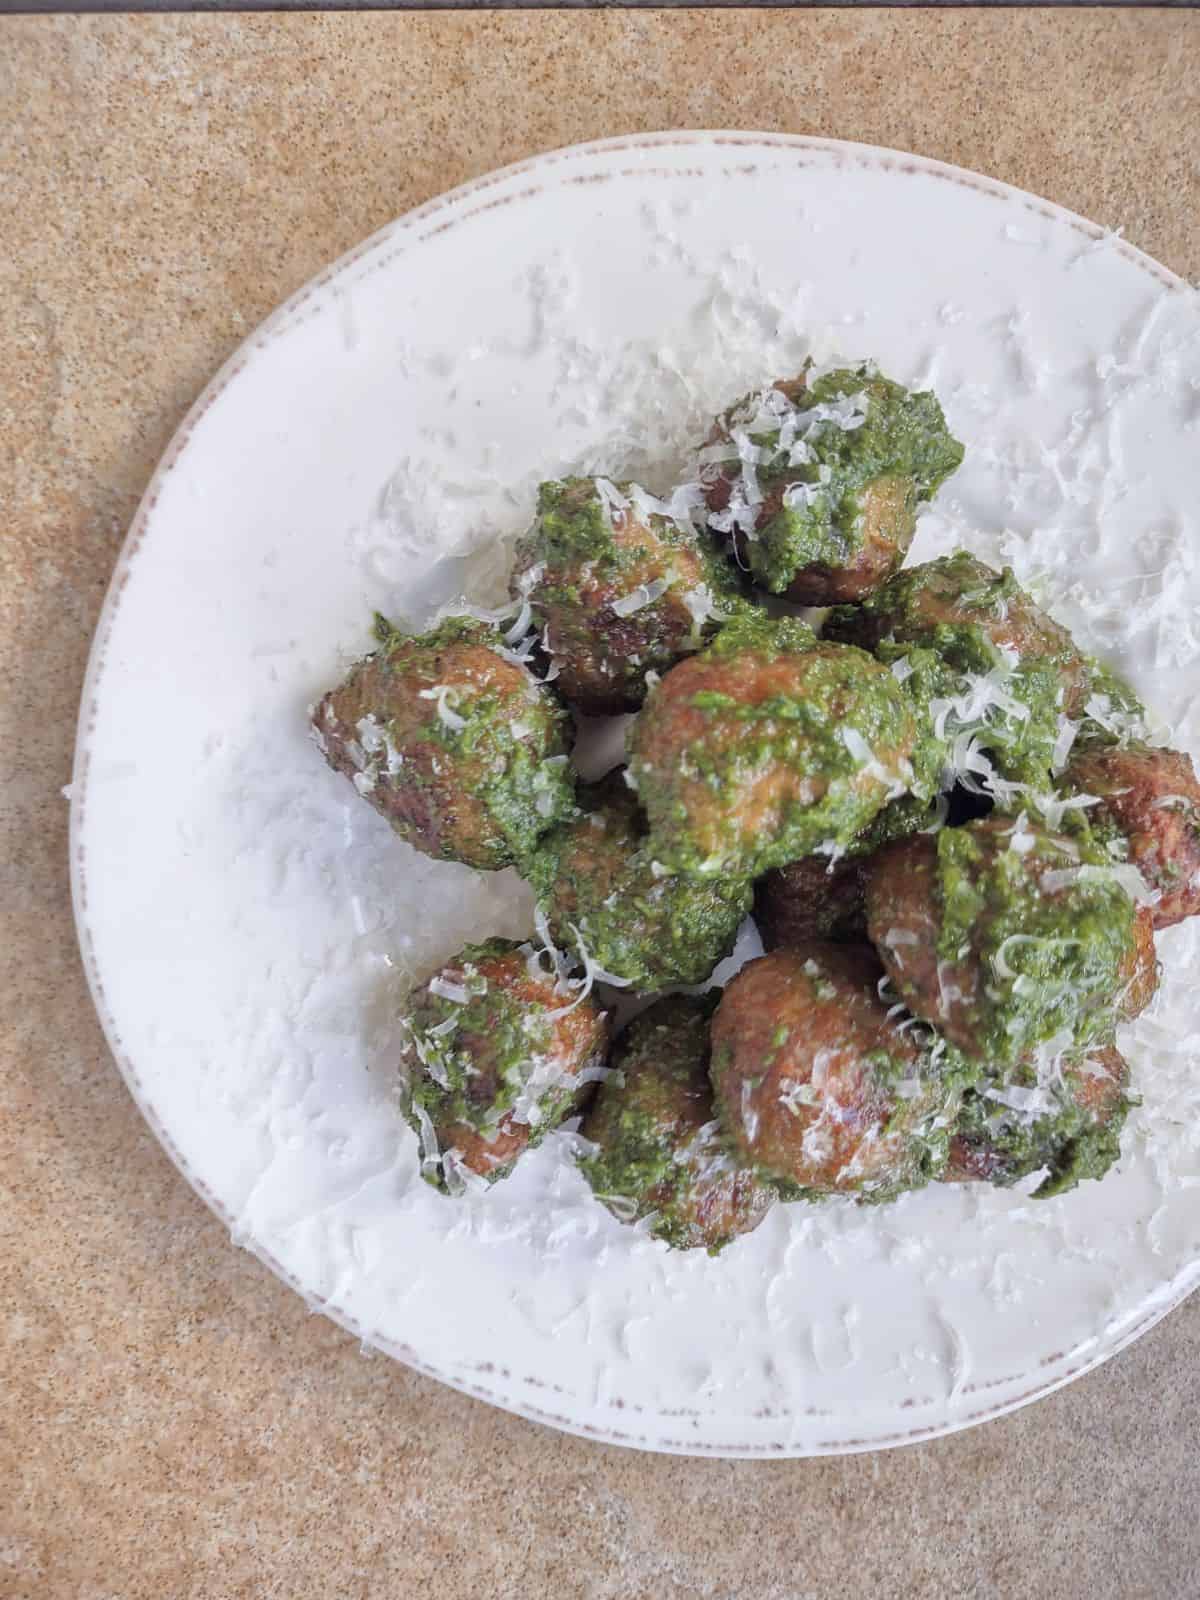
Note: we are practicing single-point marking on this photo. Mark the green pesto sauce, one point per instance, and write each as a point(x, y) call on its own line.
point(1049, 961)
point(1020, 743)
point(638, 921)
point(928, 679)
point(841, 689)
point(899, 819)
point(904, 436)
point(522, 780)
point(768, 637)
point(1072, 1143)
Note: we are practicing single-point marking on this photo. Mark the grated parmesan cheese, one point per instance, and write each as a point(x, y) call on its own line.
point(644, 595)
point(1125, 874)
point(441, 693)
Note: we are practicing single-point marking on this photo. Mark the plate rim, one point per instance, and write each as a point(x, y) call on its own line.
point(278, 322)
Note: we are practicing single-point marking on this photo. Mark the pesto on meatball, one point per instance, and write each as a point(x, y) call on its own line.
point(821, 1087)
point(603, 891)
point(766, 747)
point(498, 1051)
point(620, 584)
point(1149, 814)
point(1062, 1114)
point(658, 1150)
point(454, 741)
point(818, 483)
point(1002, 673)
point(1007, 937)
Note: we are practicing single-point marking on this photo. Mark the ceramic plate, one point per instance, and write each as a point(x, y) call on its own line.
point(249, 924)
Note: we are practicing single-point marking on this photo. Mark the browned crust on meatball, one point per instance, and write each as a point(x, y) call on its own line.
point(1141, 971)
point(1152, 797)
point(807, 1019)
point(811, 899)
point(903, 923)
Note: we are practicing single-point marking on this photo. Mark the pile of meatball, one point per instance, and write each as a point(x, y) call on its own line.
point(948, 823)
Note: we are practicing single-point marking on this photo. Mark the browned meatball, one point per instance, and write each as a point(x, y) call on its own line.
point(818, 1086)
point(818, 484)
point(619, 588)
point(453, 741)
point(498, 1051)
point(1003, 936)
point(1151, 801)
point(888, 520)
point(811, 899)
point(658, 1151)
point(1074, 1129)
point(984, 661)
point(766, 747)
point(602, 890)
point(974, 617)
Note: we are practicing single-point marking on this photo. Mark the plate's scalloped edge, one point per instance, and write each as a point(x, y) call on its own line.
point(372, 255)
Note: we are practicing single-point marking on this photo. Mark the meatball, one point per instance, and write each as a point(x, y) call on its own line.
point(497, 1052)
point(822, 898)
point(453, 741)
point(818, 484)
point(817, 1084)
point(1010, 674)
point(1070, 1124)
point(1150, 810)
point(620, 584)
point(1007, 937)
point(767, 747)
point(658, 1151)
point(603, 891)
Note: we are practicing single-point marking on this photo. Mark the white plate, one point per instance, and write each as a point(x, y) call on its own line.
point(247, 922)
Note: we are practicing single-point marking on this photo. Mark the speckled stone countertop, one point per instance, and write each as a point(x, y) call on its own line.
point(173, 1423)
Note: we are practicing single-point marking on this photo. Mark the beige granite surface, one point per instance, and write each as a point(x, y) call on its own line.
point(172, 1421)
